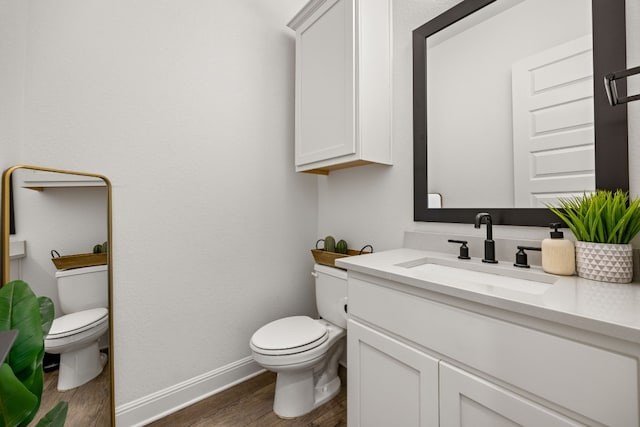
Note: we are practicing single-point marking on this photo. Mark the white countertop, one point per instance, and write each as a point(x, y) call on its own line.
point(608, 308)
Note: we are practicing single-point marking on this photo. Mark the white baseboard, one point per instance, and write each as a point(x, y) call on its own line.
point(164, 402)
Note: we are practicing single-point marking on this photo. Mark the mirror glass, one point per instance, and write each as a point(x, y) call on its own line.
point(61, 219)
point(505, 116)
point(527, 105)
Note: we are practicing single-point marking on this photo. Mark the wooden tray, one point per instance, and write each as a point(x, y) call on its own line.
point(80, 260)
point(328, 258)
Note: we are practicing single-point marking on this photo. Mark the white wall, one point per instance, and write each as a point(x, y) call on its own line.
point(374, 204)
point(188, 108)
point(12, 47)
point(12, 52)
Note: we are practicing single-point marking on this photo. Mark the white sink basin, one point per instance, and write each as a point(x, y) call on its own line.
point(489, 276)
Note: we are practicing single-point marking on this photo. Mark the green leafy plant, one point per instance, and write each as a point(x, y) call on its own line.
point(601, 217)
point(22, 375)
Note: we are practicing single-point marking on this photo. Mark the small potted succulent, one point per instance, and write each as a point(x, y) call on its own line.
point(604, 223)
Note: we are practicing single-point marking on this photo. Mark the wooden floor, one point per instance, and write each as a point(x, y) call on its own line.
point(89, 404)
point(250, 404)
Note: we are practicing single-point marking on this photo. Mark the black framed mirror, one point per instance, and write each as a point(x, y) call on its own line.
point(610, 162)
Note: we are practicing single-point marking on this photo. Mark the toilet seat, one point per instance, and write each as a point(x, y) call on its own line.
point(290, 335)
point(72, 330)
point(74, 323)
point(298, 360)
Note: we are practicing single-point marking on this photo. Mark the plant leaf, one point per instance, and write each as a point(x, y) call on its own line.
point(55, 417)
point(19, 303)
point(601, 216)
point(20, 309)
point(35, 384)
point(16, 401)
point(47, 313)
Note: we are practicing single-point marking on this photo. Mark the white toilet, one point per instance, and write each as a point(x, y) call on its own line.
point(83, 295)
point(305, 352)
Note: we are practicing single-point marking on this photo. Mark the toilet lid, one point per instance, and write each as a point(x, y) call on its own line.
point(74, 323)
point(294, 334)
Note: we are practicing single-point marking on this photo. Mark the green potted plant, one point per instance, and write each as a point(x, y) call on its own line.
point(604, 223)
point(21, 374)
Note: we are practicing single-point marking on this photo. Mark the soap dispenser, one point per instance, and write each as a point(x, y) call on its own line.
point(558, 254)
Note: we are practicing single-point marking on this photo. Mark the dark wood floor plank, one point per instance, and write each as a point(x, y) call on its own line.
point(89, 404)
point(250, 404)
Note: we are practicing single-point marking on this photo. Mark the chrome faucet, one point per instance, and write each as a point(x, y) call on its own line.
point(489, 244)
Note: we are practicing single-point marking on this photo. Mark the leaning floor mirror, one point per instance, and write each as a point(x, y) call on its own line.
point(57, 237)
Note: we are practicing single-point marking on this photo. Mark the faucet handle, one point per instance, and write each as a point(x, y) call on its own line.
point(521, 256)
point(464, 249)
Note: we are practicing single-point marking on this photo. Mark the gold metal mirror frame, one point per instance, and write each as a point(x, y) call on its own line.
point(4, 232)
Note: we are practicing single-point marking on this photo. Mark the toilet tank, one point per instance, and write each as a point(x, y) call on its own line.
point(83, 288)
point(331, 294)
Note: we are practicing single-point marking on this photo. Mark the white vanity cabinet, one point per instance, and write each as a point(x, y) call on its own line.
point(393, 384)
point(470, 401)
point(421, 358)
point(343, 84)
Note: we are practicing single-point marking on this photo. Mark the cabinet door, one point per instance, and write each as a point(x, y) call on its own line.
point(325, 76)
point(467, 400)
point(390, 383)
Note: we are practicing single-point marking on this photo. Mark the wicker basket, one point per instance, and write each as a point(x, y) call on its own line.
point(81, 260)
point(328, 258)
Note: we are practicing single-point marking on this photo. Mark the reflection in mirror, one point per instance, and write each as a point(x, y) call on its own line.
point(542, 79)
point(68, 214)
point(509, 108)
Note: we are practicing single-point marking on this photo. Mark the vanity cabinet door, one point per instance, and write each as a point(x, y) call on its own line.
point(390, 383)
point(342, 97)
point(467, 400)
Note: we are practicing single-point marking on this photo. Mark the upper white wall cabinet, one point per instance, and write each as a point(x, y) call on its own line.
point(343, 84)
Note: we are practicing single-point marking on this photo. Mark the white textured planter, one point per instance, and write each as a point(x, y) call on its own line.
point(604, 262)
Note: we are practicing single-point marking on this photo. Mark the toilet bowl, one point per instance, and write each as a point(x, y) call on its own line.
point(75, 338)
point(77, 334)
point(306, 362)
point(305, 352)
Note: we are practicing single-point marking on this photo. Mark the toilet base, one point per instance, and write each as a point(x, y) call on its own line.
point(80, 366)
point(296, 396)
point(300, 392)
